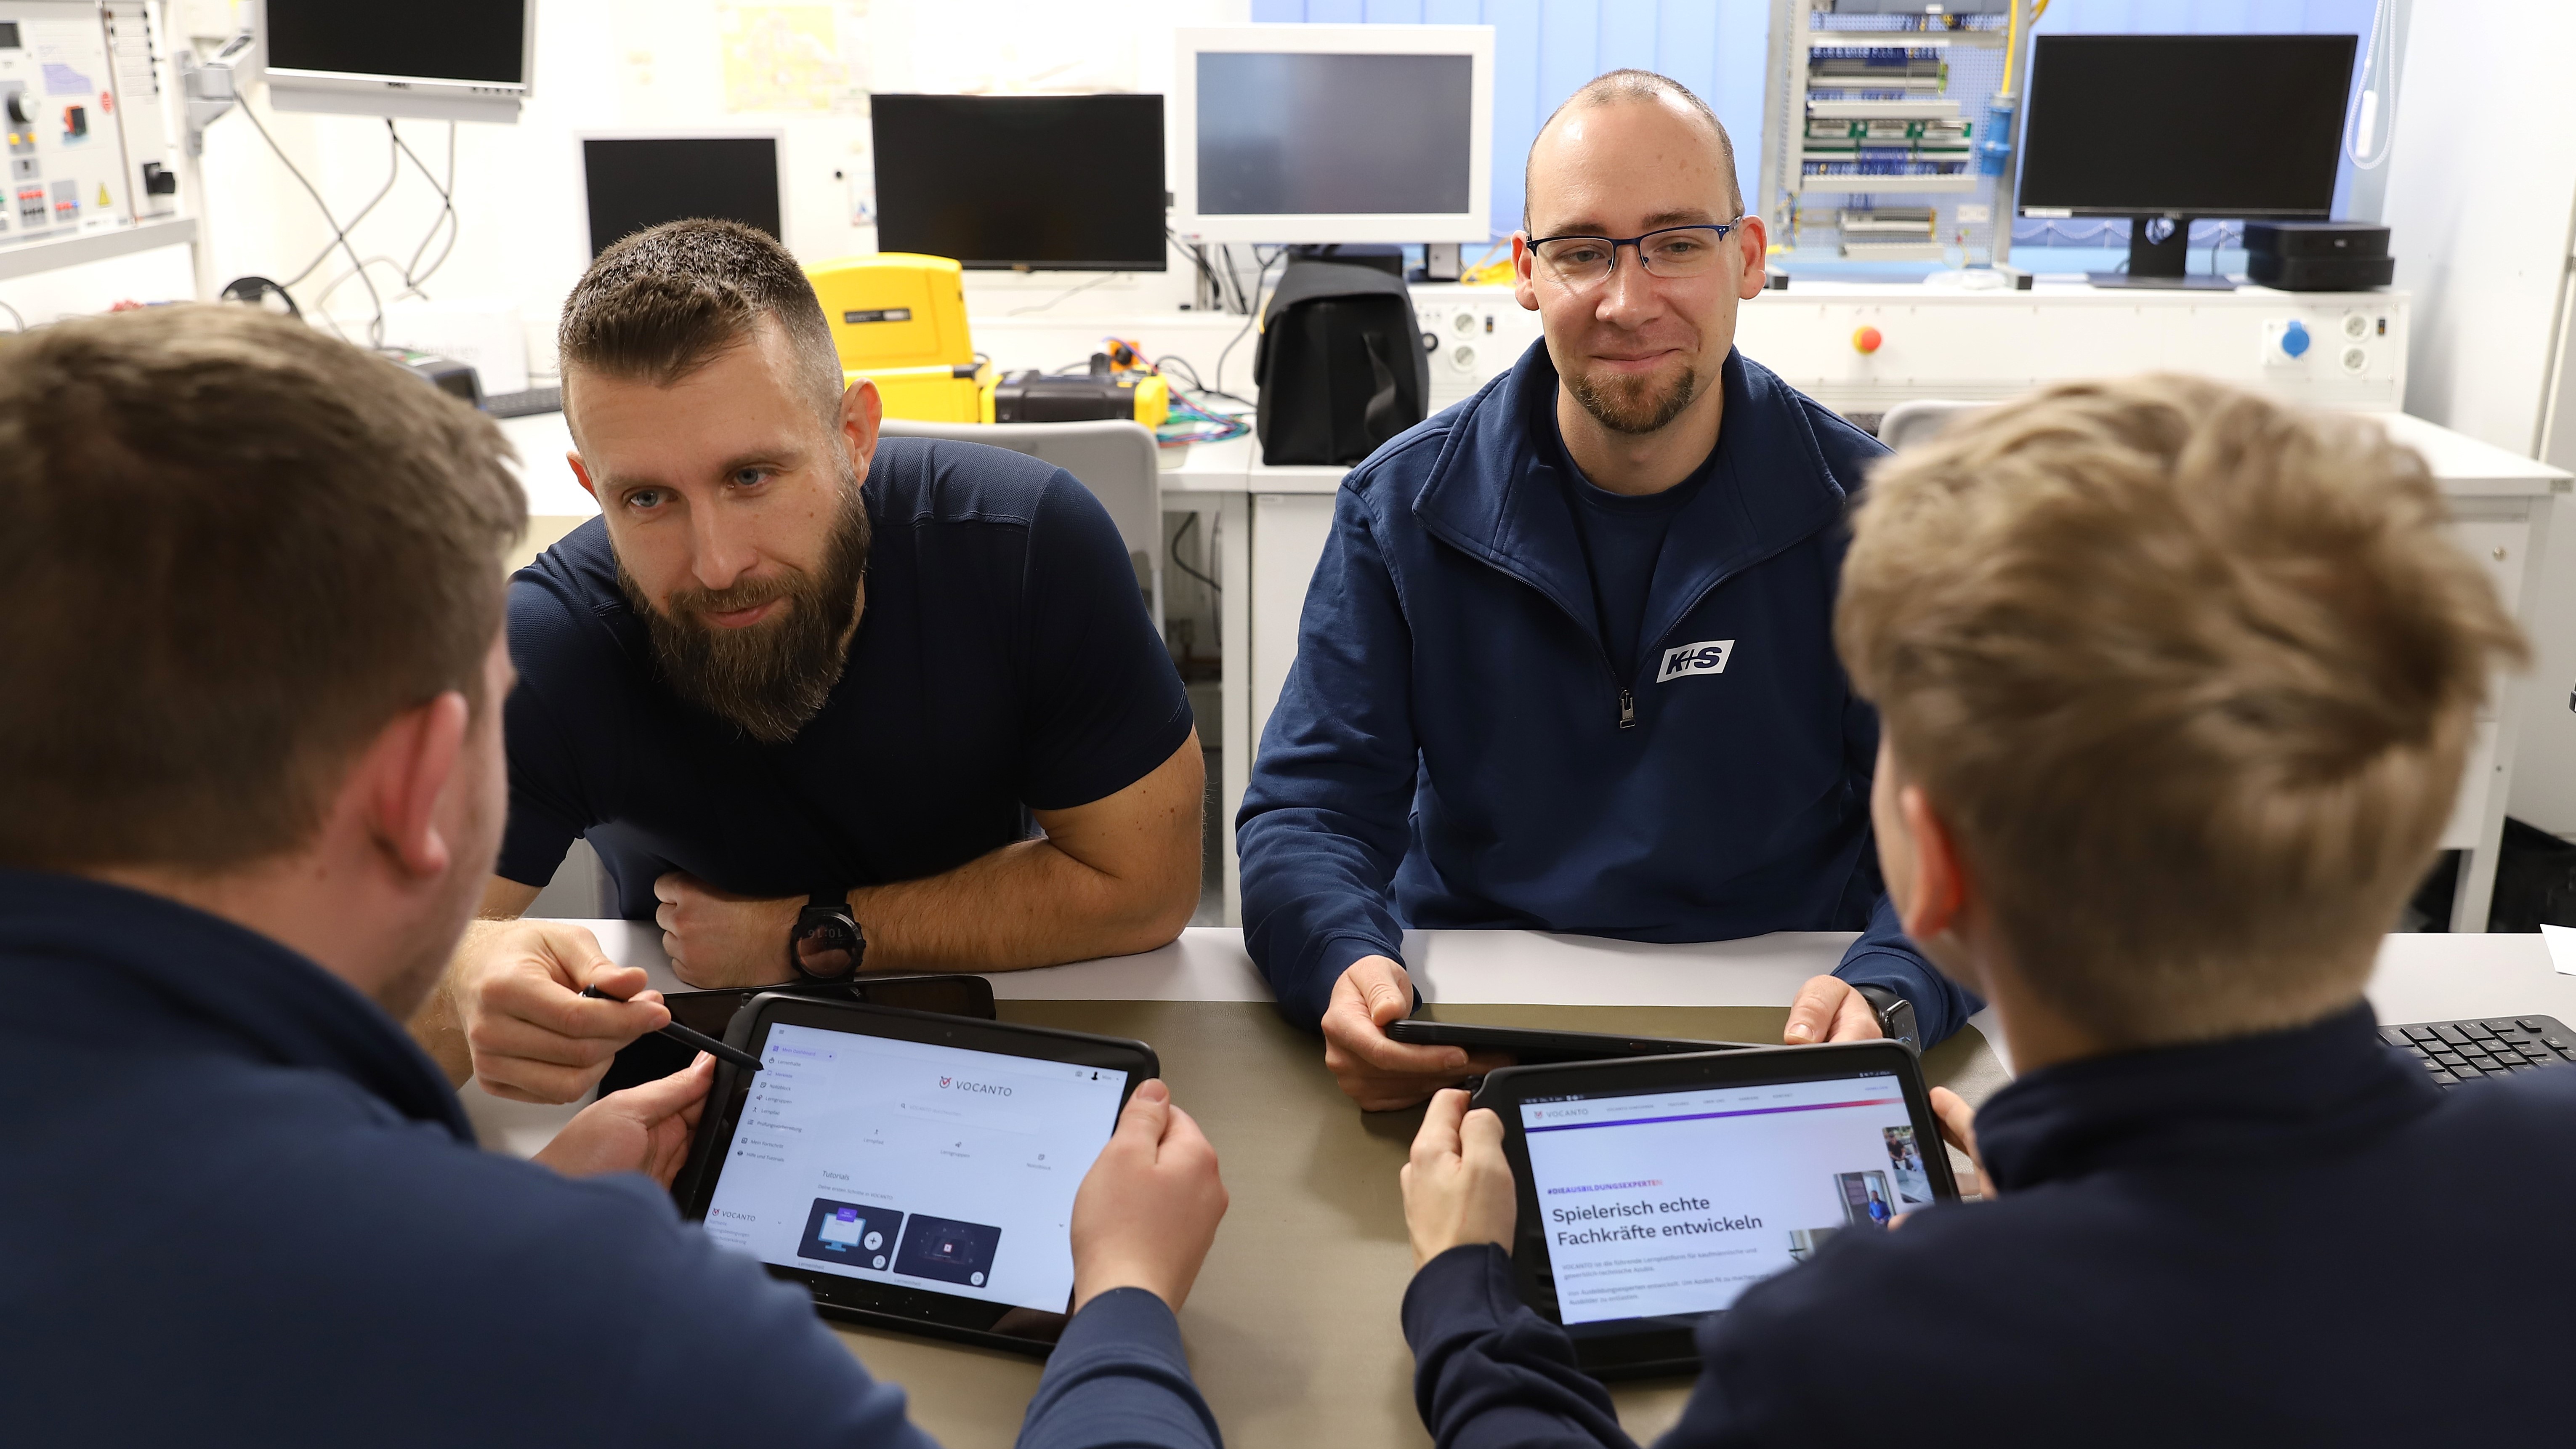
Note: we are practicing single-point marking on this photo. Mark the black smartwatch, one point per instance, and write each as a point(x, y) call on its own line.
point(826, 944)
point(1895, 1014)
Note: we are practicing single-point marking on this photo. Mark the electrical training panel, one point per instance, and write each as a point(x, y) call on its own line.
point(1876, 113)
point(1861, 348)
point(80, 106)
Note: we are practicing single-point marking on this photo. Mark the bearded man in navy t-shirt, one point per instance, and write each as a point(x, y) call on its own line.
point(823, 701)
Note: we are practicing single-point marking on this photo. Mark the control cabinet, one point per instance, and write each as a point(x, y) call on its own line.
point(80, 107)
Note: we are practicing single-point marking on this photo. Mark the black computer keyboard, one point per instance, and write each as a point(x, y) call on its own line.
point(2460, 1051)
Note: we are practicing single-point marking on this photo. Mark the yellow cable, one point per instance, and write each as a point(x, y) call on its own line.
point(2012, 43)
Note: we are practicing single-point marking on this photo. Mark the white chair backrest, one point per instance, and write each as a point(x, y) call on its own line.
point(1908, 423)
point(1116, 459)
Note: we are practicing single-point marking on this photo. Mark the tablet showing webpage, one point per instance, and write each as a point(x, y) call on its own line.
point(1671, 1203)
point(913, 1164)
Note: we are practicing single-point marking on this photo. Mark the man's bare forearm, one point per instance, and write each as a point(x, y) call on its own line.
point(1026, 904)
point(1110, 878)
point(439, 1026)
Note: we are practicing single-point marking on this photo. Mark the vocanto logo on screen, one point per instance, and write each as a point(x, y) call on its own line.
point(960, 1084)
point(1708, 656)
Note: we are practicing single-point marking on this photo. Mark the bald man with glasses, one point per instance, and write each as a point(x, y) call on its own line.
point(1567, 661)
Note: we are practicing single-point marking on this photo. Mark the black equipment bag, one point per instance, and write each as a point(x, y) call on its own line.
point(1341, 364)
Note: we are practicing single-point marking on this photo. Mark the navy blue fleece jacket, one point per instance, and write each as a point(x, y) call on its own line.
point(214, 1141)
point(2256, 1242)
point(1454, 746)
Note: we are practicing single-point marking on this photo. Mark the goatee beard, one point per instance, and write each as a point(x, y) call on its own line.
point(771, 678)
point(1632, 405)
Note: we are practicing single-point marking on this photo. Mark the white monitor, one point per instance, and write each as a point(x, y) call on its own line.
point(1334, 133)
point(458, 60)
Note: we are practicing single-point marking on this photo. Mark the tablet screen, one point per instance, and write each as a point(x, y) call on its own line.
point(913, 1164)
point(1674, 1202)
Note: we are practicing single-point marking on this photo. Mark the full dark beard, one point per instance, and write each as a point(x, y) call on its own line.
point(773, 677)
point(1633, 405)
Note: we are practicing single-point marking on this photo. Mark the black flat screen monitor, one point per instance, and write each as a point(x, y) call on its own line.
point(1072, 183)
point(2180, 126)
point(461, 40)
point(636, 182)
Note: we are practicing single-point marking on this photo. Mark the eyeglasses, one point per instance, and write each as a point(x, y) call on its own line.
point(1579, 262)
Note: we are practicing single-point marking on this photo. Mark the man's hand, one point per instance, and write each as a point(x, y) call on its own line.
point(1373, 1069)
point(1458, 1186)
point(718, 939)
point(1827, 1009)
point(1149, 1207)
point(1959, 1129)
point(642, 1129)
point(532, 1034)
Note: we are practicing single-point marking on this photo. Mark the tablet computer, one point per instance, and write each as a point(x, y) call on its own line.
point(1539, 1044)
point(1654, 1190)
point(653, 1055)
point(912, 1171)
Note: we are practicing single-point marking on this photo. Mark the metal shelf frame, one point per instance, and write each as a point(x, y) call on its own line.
point(27, 259)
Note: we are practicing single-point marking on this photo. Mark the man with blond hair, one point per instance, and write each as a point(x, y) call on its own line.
point(2176, 687)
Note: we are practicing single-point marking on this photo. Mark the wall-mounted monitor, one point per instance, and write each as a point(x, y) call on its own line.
point(1334, 133)
point(632, 180)
point(458, 60)
point(1072, 183)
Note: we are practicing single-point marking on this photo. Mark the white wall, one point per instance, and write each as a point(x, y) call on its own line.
point(633, 64)
point(2481, 194)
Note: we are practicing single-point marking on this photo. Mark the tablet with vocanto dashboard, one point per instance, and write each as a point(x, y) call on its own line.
point(1655, 1190)
point(913, 1171)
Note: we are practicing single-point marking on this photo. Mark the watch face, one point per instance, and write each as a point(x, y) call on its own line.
point(827, 944)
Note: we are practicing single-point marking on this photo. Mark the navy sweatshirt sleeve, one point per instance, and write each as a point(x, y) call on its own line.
point(1326, 818)
point(1118, 1379)
point(1884, 958)
point(1489, 1372)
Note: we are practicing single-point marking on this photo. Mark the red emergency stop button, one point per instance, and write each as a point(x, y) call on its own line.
point(1866, 340)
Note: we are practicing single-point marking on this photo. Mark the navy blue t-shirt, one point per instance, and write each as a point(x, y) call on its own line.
point(1005, 662)
point(1622, 537)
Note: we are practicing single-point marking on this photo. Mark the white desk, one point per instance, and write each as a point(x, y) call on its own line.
point(2419, 978)
point(1292, 1330)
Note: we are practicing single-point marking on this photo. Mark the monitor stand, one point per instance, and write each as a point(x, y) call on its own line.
point(2161, 265)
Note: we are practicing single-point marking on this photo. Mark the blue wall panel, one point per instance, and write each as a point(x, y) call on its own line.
point(1627, 36)
point(1544, 49)
point(1569, 49)
point(1516, 102)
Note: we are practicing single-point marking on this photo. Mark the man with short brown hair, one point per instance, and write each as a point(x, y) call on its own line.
point(251, 784)
point(800, 682)
point(2176, 686)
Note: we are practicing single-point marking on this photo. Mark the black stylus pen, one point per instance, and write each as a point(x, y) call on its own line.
point(687, 1038)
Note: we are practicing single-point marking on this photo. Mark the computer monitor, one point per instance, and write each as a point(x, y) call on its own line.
point(1072, 183)
point(460, 60)
point(1334, 133)
point(630, 182)
point(2183, 126)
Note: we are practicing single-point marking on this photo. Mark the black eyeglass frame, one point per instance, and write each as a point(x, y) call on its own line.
point(1724, 229)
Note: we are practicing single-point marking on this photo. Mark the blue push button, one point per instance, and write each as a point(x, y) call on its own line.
point(2294, 339)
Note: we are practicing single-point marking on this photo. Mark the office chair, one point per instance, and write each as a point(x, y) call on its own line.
point(1911, 422)
point(1116, 460)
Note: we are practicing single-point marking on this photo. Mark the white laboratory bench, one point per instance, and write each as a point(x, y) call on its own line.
point(1924, 341)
